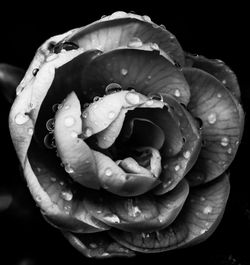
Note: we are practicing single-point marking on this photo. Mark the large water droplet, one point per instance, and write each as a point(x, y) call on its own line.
point(124, 71)
point(87, 132)
point(112, 88)
point(108, 172)
point(21, 118)
point(135, 43)
point(68, 168)
point(49, 141)
point(224, 141)
point(208, 209)
point(69, 121)
point(212, 118)
point(132, 98)
point(67, 195)
point(177, 167)
point(50, 125)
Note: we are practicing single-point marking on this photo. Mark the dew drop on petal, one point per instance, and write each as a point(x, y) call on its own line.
point(21, 118)
point(67, 195)
point(124, 71)
point(68, 168)
point(69, 121)
point(108, 172)
point(49, 141)
point(55, 107)
point(61, 183)
point(219, 95)
point(202, 199)
point(66, 106)
point(30, 131)
point(112, 88)
point(177, 93)
point(187, 154)
point(154, 46)
point(50, 124)
point(224, 141)
point(135, 43)
point(229, 150)
point(211, 118)
point(53, 179)
point(85, 114)
point(87, 132)
point(132, 98)
point(224, 82)
point(67, 209)
point(111, 114)
point(38, 198)
point(74, 134)
point(208, 209)
point(112, 218)
point(95, 99)
point(177, 167)
point(146, 18)
point(156, 97)
point(150, 102)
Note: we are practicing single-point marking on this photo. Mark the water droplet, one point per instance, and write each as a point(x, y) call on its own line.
point(177, 167)
point(146, 18)
point(30, 131)
point(95, 99)
point(112, 218)
point(67, 195)
point(112, 88)
point(156, 96)
point(68, 168)
point(35, 71)
point(149, 77)
point(108, 172)
point(69, 121)
point(224, 141)
point(66, 106)
point(93, 245)
point(203, 231)
point(124, 71)
point(53, 179)
point(21, 118)
point(85, 105)
point(224, 81)
point(154, 46)
point(50, 124)
point(135, 43)
point(187, 154)
point(67, 209)
point(74, 134)
point(111, 114)
point(132, 98)
point(177, 93)
point(49, 141)
point(87, 132)
point(85, 114)
point(202, 199)
point(229, 150)
point(105, 254)
point(61, 183)
point(162, 26)
point(211, 118)
point(38, 198)
point(208, 209)
point(55, 107)
point(237, 142)
point(219, 95)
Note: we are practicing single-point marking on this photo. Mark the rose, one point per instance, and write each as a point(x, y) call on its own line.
point(143, 130)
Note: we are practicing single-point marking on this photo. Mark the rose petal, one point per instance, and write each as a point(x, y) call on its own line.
point(198, 219)
point(143, 213)
point(97, 245)
point(75, 154)
point(223, 122)
point(120, 31)
point(145, 71)
point(176, 167)
point(218, 69)
point(10, 77)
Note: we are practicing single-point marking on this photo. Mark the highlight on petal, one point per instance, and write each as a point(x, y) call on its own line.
point(145, 71)
point(129, 30)
point(198, 219)
point(218, 69)
point(223, 120)
point(10, 77)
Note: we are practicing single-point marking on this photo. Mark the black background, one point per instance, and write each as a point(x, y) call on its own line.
point(207, 29)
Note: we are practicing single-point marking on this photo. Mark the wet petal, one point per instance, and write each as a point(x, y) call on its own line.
point(146, 72)
point(98, 245)
point(218, 69)
point(10, 77)
point(223, 121)
point(75, 154)
point(120, 31)
point(198, 219)
point(176, 167)
point(142, 213)
point(62, 207)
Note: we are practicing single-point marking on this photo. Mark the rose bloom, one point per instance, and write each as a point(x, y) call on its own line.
point(124, 139)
